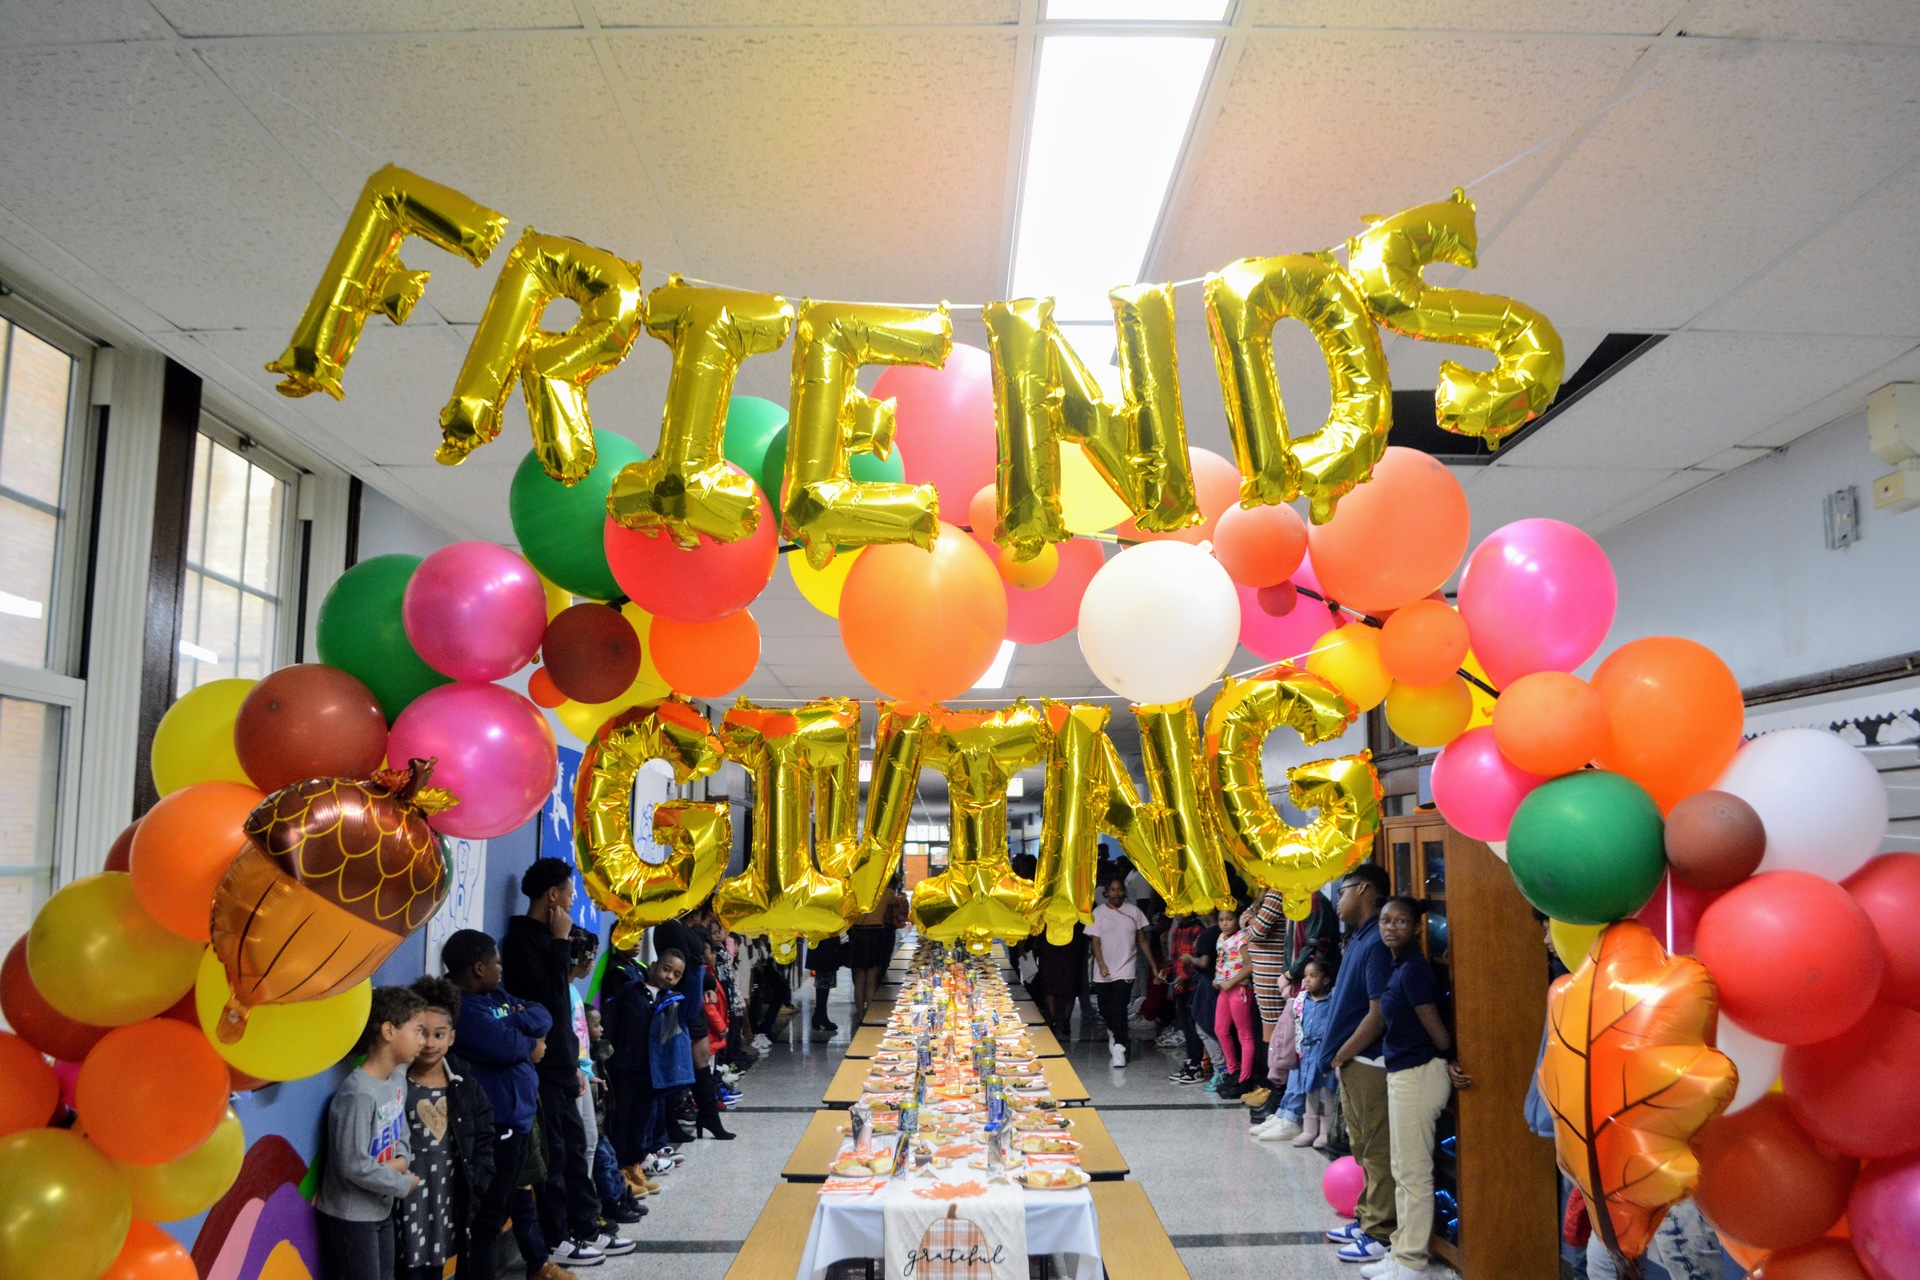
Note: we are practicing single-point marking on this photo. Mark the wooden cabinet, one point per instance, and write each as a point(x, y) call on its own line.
point(1496, 1215)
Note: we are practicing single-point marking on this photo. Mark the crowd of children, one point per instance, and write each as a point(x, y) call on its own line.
point(499, 1094)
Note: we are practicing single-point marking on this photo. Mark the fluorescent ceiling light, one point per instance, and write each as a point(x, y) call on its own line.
point(20, 607)
point(197, 653)
point(1110, 115)
point(1016, 787)
point(996, 677)
point(1136, 10)
point(866, 771)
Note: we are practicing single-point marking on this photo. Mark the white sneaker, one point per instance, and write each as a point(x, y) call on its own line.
point(1374, 1270)
point(761, 1044)
point(1118, 1055)
point(1285, 1131)
point(580, 1253)
point(1401, 1272)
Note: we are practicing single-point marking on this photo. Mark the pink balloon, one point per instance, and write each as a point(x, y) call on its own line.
point(1341, 1183)
point(693, 584)
point(1476, 788)
point(1287, 638)
point(493, 751)
point(1049, 612)
point(475, 611)
point(1216, 485)
point(1537, 595)
point(68, 1074)
point(943, 424)
point(1884, 1218)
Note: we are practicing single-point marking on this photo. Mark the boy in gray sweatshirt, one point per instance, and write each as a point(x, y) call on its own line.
point(367, 1143)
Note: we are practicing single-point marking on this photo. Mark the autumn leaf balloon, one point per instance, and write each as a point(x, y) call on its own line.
point(337, 873)
point(1630, 1079)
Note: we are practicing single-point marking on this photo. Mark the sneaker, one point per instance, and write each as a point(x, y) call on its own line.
point(1117, 1055)
point(1365, 1249)
point(1169, 1038)
point(1256, 1096)
point(761, 1044)
point(1213, 1085)
point(613, 1244)
point(1344, 1232)
point(1374, 1270)
point(1399, 1272)
point(657, 1164)
point(581, 1253)
point(1284, 1129)
point(1186, 1075)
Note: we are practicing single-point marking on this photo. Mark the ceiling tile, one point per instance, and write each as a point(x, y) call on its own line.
point(1503, 493)
point(80, 21)
point(804, 13)
point(862, 165)
point(1645, 500)
point(1873, 21)
point(1641, 17)
point(223, 18)
point(1307, 139)
point(1720, 159)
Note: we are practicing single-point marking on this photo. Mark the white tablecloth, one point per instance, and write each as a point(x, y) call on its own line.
point(1059, 1223)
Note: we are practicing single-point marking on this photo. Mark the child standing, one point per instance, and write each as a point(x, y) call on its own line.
point(1315, 1081)
point(367, 1144)
point(1419, 1082)
point(1233, 1010)
point(450, 1126)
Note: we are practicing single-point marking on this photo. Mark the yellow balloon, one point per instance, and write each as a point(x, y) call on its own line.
point(1572, 940)
point(558, 597)
point(822, 587)
point(1482, 700)
point(194, 742)
point(1029, 575)
point(64, 1211)
point(100, 959)
point(282, 1041)
point(1349, 657)
point(191, 1184)
point(1430, 716)
point(583, 719)
point(1088, 503)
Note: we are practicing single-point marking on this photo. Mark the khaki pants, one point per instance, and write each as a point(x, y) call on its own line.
point(1415, 1099)
point(1363, 1101)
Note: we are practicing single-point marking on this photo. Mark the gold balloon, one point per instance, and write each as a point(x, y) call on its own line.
point(782, 893)
point(1045, 395)
point(899, 753)
point(64, 1209)
point(978, 897)
point(1071, 809)
point(1244, 301)
point(193, 1183)
point(1386, 261)
point(552, 368)
point(832, 420)
point(700, 836)
point(366, 275)
point(1192, 870)
point(687, 486)
point(97, 957)
point(1263, 845)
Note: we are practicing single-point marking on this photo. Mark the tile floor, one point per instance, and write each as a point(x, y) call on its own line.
point(1235, 1208)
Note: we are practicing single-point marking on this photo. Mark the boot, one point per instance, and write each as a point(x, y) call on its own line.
point(1310, 1129)
point(707, 1112)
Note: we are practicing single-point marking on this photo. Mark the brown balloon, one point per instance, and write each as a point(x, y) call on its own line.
point(1766, 1182)
point(591, 653)
point(1822, 1260)
point(309, 721)
point(337, 873)
point(1714, 840)
point(120, 857)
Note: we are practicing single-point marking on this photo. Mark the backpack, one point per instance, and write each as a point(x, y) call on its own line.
point(670, 1052)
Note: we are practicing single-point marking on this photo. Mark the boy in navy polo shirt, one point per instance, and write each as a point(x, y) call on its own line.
point(1353, 1040)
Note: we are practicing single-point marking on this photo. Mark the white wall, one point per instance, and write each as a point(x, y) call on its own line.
point(387, 528)
point(1741, 565)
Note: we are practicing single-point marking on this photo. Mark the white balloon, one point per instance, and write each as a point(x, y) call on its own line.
point(1758, 1062)
point(1159, 622)
point(1821, 801)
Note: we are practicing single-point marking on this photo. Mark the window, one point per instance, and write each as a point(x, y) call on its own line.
point(233, 617)
point(36, 395)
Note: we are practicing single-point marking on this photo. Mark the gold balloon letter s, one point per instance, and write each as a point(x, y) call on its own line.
point(1386, 262)
point(366, 275)
point(553, 368)
point(1346, 791)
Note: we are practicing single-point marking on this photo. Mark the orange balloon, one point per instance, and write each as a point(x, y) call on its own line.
point(706, 659)
point(1395, 538)
point(151, 1254)
point(1744, 1254)
point(982, 511)
point(1423, 643)
point(1674, 715)
point(1821, 1260)
point(152, 1091)
point(1216, 486)
point(924, 625)
point(1550, 723)
point(542, 690)
point(1029, 575)
point(182, 848)
point(1260, 546)
point(29, 1091)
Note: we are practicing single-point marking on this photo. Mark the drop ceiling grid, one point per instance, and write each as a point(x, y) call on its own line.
point(1318, 129)
point(1875, 21)
point(1502, 494)
point(197, 18)
point(866, 165)
point(1637, 17)
point(805, 13)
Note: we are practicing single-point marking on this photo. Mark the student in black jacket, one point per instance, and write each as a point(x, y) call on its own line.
point(537, 955)
point(452, 1131)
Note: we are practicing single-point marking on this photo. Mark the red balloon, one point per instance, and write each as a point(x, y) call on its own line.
point(1686, 904)
point(1765, 1181)
point(37, 1022)
point(1795, 958)
point(29, 1091)
point(309, 721)
point(696, 584)
point(591, 653)
point(1279, 600)
point(1049, 612)
point(1859, 1092)
point(1888, 890)
point(1821, 1260)
point(120, 857)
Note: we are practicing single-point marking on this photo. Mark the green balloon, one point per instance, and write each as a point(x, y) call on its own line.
point(561, 530)
point(752, 424)
point(866, 468)
point(360, 631)
point(1588, 848)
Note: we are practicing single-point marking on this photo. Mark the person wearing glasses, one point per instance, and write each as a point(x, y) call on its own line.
point(1353, 1042)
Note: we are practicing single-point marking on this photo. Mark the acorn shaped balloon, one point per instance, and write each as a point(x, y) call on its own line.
point(338, 872)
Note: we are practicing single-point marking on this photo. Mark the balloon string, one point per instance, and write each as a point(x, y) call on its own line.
point(1371, 621)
